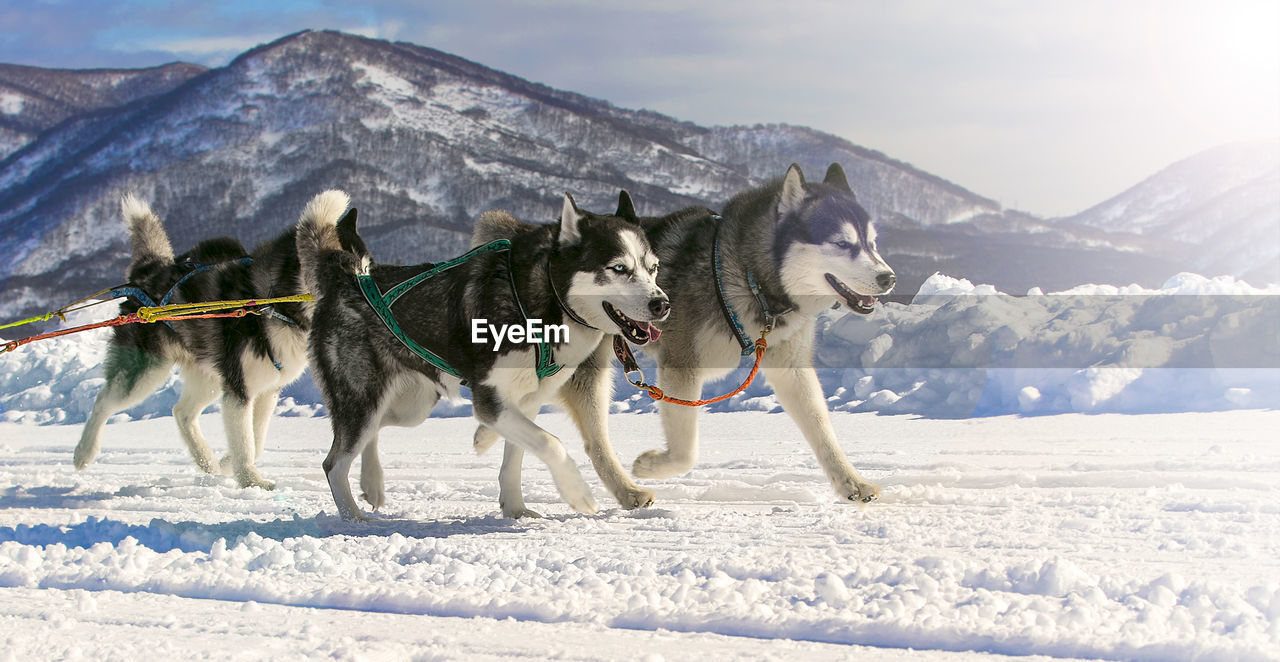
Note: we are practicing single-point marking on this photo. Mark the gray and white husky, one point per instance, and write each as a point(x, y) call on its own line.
point(807, 246)
point(247, 360)
point(591, 274)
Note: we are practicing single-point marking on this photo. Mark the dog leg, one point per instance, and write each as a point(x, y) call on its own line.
point(587, 395)
point(372, 488)
point(788, 369)
point(510, 492)
point(264, 405)
point(510, 487)
point(408, 406)
point(198, 392)
point(351, 433)
point(484, 439)
point(516, 428)
point(679, 424)
point(132, 375)
point(237, 418)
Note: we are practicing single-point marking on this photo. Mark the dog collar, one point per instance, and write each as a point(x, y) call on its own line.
point(730, 315)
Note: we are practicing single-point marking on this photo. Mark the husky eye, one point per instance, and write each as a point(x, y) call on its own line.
point(618, 269)
point(842, 245)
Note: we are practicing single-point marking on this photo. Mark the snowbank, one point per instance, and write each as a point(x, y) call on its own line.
point(959, 349)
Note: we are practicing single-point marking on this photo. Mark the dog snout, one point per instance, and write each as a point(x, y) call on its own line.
point(886, 280)
point(659, 307)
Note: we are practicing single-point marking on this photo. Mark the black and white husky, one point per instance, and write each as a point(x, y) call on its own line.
point(247, 360)
point(587, 276)
point(805, 246)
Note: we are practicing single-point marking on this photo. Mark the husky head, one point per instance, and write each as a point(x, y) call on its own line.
point(610, 270)
point(826, 244)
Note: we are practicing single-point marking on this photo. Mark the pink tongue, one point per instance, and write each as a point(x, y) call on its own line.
point(652, 331)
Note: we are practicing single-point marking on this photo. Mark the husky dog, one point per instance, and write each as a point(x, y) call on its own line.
point(807, 246)
point(588, 273)
point(247, 360)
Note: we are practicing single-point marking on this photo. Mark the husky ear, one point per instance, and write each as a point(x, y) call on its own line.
point(792, 197)
point(569, 218)
point(626, 210)
point(835, 177)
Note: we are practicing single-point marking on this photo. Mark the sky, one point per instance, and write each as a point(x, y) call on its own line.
point(1045, 106)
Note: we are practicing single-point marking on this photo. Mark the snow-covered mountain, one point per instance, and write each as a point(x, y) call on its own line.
point(424, 141)
point(1222, 205)
point(33, 100)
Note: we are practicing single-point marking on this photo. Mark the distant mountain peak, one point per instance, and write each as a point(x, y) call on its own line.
point(1223, 202)
point(424, 141)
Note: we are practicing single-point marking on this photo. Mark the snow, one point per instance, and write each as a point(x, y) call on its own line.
point(1148, 537)
point(11, 104)
point(1067, 529)
point(959, 349)
point(392, 85)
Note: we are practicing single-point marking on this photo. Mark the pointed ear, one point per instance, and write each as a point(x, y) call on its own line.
point(626, 210)
point(569, 218)
point(835, 177)
point(792, 197)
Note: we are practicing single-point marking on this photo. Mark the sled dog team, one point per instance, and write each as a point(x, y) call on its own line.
point(386, 342)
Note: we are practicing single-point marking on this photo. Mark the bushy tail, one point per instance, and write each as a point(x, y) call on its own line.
point(318, 234)
point(147, 238)
point(493, 225)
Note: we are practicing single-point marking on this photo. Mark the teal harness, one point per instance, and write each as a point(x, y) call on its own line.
point(381, 302)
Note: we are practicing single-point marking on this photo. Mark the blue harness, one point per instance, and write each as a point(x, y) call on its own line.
point(731, 315)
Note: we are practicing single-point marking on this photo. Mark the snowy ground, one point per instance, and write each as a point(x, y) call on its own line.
point(1151, 537)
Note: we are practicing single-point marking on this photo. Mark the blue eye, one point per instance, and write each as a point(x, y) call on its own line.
point(618, 269)
point(843, 245)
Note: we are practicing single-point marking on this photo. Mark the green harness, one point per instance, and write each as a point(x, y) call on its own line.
point(545, 365)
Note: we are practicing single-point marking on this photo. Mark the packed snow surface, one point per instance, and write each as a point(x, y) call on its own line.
point(1135, 537)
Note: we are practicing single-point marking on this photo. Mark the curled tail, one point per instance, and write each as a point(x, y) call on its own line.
point(318, 234)
point(147, 238)
point(493, 225)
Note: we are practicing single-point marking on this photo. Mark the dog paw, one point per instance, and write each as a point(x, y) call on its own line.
point(83, 458)
point(658, 464)
point(375, 498)
point(517, 513)
point(208, 465)
point(860, 492)
point(484, 439)
point(586, 506)
point(635, 497)
point(251, 478)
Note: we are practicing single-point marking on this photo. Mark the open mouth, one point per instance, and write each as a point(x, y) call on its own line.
point(858, 303)
point(637, 332)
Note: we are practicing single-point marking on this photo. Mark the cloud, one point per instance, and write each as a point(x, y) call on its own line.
point(198, 46)
point(1052, 106)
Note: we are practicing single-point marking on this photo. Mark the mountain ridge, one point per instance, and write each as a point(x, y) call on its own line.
point(425, 140)
point(34, 100)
